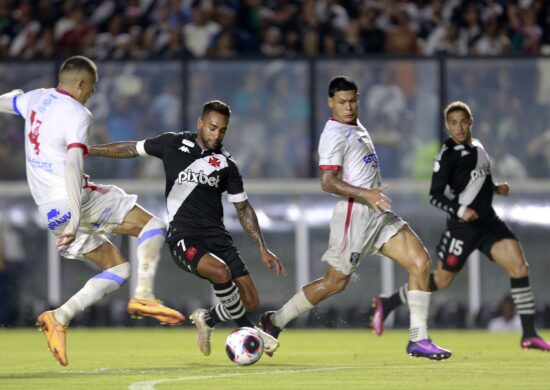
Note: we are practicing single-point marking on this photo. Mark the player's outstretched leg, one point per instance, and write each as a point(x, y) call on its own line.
point(56, 335)
point(268, 327)
point(143, 304)
point(428, 349)
point(204, 331)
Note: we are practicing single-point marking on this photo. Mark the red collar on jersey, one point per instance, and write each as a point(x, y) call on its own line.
point(63, 92)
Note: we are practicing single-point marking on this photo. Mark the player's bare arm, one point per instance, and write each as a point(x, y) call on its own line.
point(124, 149)
point(375, 197)
point(249, 222)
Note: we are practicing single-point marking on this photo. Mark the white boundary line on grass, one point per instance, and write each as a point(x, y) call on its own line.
point(150, 385)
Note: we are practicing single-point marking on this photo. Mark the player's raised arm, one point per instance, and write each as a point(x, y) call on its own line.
point(124, 149)
point(8, 102)
point(249, 222)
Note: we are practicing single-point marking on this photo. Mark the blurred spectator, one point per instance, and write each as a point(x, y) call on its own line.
point(401, 37)
point(508, 320)
point(272, 44)
point(446, 39)
point(371, 37)
point(200, 31)
point(228, 28)
point(493, 42)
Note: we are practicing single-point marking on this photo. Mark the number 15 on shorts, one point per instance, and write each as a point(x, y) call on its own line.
point(455, 247)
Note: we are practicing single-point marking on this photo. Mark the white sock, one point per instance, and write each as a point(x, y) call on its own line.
point(95, 289)
point(151, 240)
point(296, 306)
point(419, 307)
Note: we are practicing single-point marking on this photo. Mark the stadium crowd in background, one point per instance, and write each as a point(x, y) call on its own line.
point(139, 29)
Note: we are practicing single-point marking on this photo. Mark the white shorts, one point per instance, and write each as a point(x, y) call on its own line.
point(102, 209)
point(356, 230)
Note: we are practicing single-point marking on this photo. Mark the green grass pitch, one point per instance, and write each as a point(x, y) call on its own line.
point(159, 358)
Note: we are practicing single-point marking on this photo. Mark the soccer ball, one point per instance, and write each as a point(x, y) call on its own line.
point(244, 346)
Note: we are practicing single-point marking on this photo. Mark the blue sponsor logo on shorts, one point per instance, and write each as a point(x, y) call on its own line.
point(52, 213)
point(104, 216)
point(59, 221)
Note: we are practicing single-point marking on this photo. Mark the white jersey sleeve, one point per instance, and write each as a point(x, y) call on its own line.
point(332, 148)
point(21, 103)
point(76, 130)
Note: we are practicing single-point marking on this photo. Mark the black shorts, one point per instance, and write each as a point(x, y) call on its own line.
point(462, 238)
point(187, 252)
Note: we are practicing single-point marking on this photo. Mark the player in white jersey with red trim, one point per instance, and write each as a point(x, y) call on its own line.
point(362, 224)
point(77, 211)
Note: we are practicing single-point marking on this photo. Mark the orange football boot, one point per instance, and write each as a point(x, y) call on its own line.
point(138, 308)
point(55, 336)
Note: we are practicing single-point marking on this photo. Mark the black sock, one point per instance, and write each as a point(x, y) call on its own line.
point(393, 302)
point(525, 305)
point(216, 314)
point(228, 294)
point(433, 286)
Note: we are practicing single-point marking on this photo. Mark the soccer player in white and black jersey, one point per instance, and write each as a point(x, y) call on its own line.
point(198, 171)
point(463, 187)
point(78, 212)
point(362, 224)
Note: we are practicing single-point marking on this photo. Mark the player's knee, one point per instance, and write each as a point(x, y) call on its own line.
point(220, 274)
point(520, 270)
point(420, 264)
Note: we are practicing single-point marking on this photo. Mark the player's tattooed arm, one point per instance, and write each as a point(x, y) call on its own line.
point(249, 222)
point(125, 149)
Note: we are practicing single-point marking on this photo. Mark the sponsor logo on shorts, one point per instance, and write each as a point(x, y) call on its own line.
point(53, 221)
point(190, 253)
point(354, 258)
point(198, 177)
point(451, 261)
point(105, 215)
